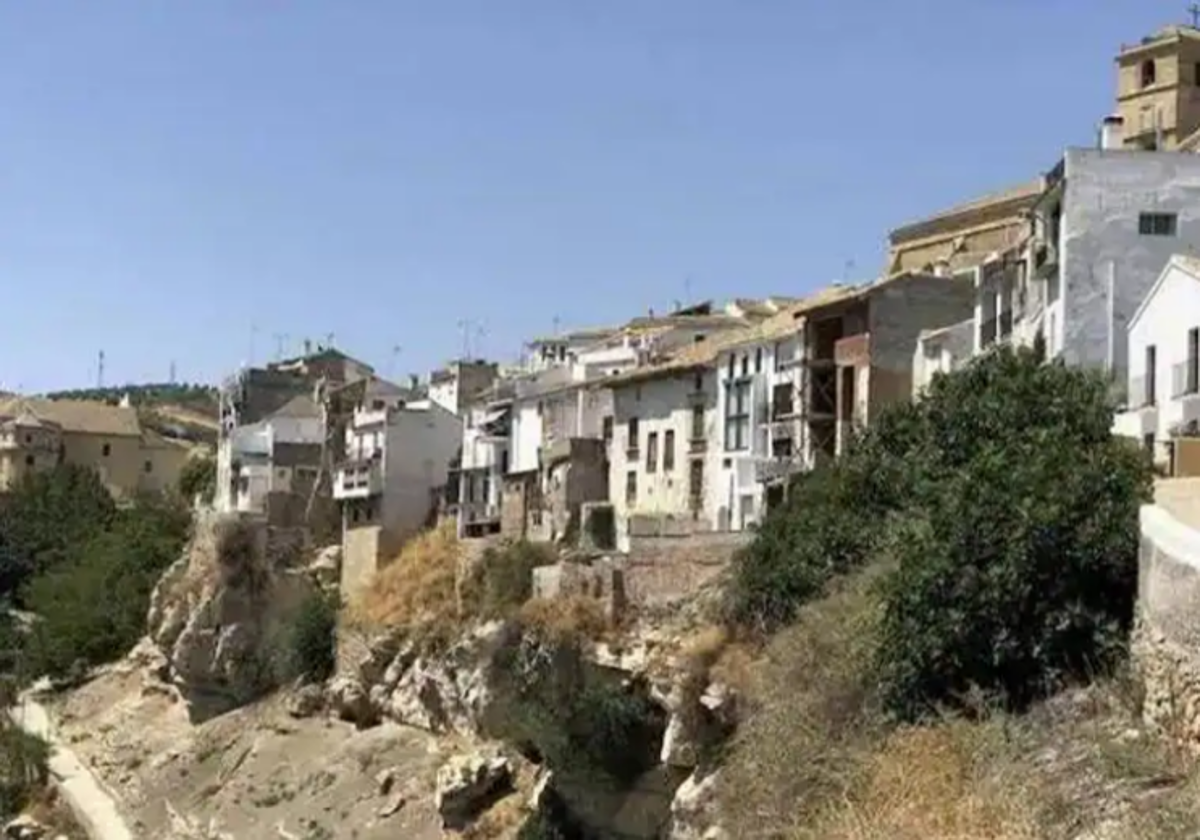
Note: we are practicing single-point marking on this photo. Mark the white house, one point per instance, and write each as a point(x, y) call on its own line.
point(397, 457)
point(1164, 357)
point(1106, 225)
point(942, 350)
point(487, 427)
point(279, 454)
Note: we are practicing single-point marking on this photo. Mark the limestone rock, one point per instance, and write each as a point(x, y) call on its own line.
point(694, 814)
point(349, 700)
point(217, 609)
point(469, 784)
point(305, 701)
point(24, 827)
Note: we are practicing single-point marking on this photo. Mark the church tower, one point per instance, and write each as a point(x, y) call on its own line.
point(1158, 87)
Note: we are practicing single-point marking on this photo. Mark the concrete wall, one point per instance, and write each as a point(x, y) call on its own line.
point(941, 351)
point(898, 313)
point(418, 448)
point(526, 437)
point(1106, 190)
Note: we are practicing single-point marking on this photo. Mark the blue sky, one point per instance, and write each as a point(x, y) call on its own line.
point(172, 173)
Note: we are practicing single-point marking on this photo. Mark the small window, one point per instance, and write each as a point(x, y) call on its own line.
point(148, 467)
point(698, 383)
point(668, 450)
point(1149, 72)
point(632, 443)
point(1196, 73)
point(630, 488)
point(29, 438)
point(652, 452)
point(758, 360)
point(745, 365)
point(697, 338)
point(29, 460)
point(731, 364)
point(1157, 224)
point(106, 450)
point(606, 428)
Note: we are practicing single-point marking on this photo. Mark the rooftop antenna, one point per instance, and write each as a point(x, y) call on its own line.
point(329, 341)
point(100, 371)
point(480, 332)
point(280, 345)
point(171, 378)
point(847, 270)
point(1194, 10)
point(464, 329)
point(392, 361)
point(556, 322)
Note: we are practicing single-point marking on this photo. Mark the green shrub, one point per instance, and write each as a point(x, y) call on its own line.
point(45, 520)
point(198, 478)
point(504, 576)
point(92, 607)
point(311, 652)
point(1026, 574)
point(23, 767)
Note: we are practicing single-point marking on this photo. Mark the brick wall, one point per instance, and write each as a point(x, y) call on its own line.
point(658, 570)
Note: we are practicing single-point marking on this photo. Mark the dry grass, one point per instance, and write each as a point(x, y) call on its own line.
point(419, 589)
point(569, 618)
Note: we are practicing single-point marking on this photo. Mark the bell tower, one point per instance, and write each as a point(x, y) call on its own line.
point(1158, 87)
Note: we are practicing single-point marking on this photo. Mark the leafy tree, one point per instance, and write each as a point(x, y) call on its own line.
point(92, 608)
point(198, 478)
point(311, 651)
point(46, 518)
point(1010, 513)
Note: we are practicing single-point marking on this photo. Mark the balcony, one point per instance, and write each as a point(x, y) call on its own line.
point(776, 468)
point(358, 480)
point(853, 350)
point(783, 402)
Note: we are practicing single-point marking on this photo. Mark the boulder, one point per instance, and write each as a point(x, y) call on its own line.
point(467, 785)
point(305, 701)
point(25, 827)
point(694, 810)
point(348, 698)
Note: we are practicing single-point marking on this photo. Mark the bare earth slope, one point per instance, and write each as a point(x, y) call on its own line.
point(257, 772)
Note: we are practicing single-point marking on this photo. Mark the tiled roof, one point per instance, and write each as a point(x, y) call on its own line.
point(705, 352)
point(81, 416)
point(1026, 191)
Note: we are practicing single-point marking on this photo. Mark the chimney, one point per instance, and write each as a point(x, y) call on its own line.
point(1112, 132)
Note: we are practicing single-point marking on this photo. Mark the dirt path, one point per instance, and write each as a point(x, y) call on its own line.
point(94, 809)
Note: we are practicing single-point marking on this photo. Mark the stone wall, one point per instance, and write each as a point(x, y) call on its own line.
point(1166, 642)
point(658, 570)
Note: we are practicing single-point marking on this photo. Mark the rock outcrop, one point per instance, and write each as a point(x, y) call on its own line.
point(468, 784)
point(219, 612)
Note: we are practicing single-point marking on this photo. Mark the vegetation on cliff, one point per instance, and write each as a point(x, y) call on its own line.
point(973, 554)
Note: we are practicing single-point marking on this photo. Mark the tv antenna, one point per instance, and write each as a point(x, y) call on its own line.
point(1194, 10)
point(281, 340)
point(396, 350)
point(100, 370)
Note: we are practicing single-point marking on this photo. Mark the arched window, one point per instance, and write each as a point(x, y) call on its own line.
point(1148, 72)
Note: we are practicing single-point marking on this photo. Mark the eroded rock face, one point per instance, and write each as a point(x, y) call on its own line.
point(467, 785)
point(694, 814)
point(218, 613)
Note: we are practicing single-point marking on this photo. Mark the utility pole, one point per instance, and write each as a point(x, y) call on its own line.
point(171, 375)
point(100, 371)
point(392, 361)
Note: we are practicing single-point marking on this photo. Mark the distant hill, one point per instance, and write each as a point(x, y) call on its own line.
point(194, 398)
point(184, 411)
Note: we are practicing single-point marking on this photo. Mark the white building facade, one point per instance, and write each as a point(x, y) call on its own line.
point(1164, 359)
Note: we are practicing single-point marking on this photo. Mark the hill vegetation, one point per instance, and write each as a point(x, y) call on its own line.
point(925, 598)
point(202, 399)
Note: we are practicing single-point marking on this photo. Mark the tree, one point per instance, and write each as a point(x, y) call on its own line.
point(46, 517)
point(198, 478)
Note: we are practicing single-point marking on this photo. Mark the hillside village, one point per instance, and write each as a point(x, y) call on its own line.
point(623, 485)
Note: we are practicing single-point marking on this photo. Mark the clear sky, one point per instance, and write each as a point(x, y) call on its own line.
point(173, 172)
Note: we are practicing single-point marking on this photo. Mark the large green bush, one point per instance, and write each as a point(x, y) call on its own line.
point(92, 606)
point(1026, 571)
point(503, 578)
point(311, 644)
point(1018, 511)
point(45, 520)
point(198, 478)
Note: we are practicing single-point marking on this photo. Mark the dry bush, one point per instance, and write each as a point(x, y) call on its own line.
point(565, 619)
point(814, 717)
point(950, 781)
point(419, 589)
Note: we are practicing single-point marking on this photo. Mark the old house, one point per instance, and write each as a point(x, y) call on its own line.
point(1164, 363)
point(36, 434)
point(484, 461)
point(1157, 82)
point(396, 459)
point(456, 386)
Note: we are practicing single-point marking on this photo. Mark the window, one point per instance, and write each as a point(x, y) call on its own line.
point(697, 338)
point(698, 422)
point(1196, 73)
point(737, 416)
point(1151, 365)
point(1192, 372)
point(631, 488)
point(698, 383)
point(504, 461)
point(1157, 224)
point(1149, 72)
point(29, 460)
point(668, 450)
point(731, 364)
point(632, 443)
point(606, 429)
point(745, 365)
point(148, 467)
point(652, 452)
point(29, 438)
point(758, 360)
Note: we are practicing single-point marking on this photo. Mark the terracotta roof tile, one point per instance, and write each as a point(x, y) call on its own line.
point(81, 416)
